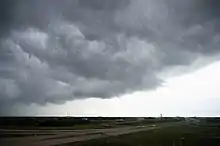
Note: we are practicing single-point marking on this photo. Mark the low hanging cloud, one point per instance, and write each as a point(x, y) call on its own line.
point(56, 51)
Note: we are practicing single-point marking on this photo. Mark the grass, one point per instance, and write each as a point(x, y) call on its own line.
point(91, 126)
point(2, 136)
point(185, 135)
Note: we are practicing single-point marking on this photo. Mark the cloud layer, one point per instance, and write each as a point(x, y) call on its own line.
point(55, 51)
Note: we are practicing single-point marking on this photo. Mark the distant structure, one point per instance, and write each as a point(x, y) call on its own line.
point(85, 119)
point(161, 116)
point(139, 119)
point(68, 115)
point(120, 120)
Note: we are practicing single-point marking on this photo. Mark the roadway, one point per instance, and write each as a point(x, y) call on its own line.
point(59, 137)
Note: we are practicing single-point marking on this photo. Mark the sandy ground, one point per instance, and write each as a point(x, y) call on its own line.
point(57, 137)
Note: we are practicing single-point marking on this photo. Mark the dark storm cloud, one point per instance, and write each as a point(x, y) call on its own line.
point(5, 15)
point(55, 51)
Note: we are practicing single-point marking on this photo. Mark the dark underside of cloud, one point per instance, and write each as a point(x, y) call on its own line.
point(56, 51)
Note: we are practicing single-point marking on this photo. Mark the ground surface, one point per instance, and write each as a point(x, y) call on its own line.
point(179, 135)
point(188, 132)
point(12, 137)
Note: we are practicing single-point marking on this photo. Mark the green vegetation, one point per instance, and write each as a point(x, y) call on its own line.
point(77, 122)
point(149, 121)
point(185, 135)
point(2, 136)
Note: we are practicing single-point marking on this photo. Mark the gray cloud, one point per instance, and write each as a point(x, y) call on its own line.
point(55, 51)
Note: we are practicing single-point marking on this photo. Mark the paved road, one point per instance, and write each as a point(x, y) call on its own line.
point(57, 137)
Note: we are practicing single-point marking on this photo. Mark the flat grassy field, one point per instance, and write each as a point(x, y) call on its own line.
point(184, 135)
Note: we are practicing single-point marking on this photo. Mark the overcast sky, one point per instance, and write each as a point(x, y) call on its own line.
point(110, 57)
